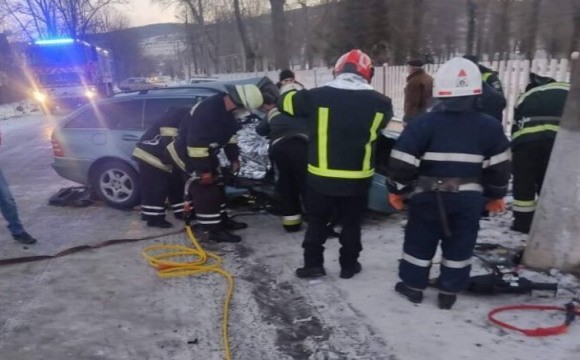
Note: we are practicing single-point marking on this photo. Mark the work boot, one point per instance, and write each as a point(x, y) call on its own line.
point(292, 228)
point(231, 224)
point(159, 223)
point(414, 296)
point(223, 236)
point(24, 238)
point(310, 272)
point(348, 273)
point(446, 301)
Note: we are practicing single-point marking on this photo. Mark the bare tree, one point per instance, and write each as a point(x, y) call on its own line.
point(249, 51)
point(575, 39)
point(34, 17)
point(279, 30)
point(78, 17)
point(532, 32)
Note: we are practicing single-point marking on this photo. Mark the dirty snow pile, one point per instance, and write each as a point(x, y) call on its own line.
point(16, 109)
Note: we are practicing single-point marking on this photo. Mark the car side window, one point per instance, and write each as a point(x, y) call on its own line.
point(86, 120)
point(155, 108)
point(123, 115)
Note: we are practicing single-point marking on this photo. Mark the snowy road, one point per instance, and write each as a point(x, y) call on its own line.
point(108, 304)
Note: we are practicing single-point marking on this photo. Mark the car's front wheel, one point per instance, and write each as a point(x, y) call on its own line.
point(117, 184)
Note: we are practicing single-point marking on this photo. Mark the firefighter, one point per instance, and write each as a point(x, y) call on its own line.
point(344, 119)
point(159, 179)
point(449, 163)
point(537, 118)
point(211, 126)
point(488, 76)
point(289, 152)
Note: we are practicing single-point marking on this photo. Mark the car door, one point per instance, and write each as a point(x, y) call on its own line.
point(125, 126)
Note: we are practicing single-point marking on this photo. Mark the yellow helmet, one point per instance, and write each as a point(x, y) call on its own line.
point(245, 96)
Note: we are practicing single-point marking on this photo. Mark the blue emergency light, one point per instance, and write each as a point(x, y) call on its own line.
point(54, 41)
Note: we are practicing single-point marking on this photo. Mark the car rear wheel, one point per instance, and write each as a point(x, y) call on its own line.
point(117, 184)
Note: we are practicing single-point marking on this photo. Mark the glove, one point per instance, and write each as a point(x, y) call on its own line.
point(235, 165)
point(206, 179)
point(495, 206)
point(396, 201)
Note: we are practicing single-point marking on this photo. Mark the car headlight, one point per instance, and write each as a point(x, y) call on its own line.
point(40, 97)
point(90, 94)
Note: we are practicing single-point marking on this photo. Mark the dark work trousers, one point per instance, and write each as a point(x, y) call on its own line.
point(530, 162)
point(320, 208)
point(209, 204)
point(424, 231)
point(156, 187)
point(291, 159)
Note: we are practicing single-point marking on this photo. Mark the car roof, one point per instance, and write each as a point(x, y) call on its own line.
point(193, 90)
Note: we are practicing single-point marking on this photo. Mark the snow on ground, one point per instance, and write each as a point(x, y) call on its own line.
point(108, 304)
point(16, 109)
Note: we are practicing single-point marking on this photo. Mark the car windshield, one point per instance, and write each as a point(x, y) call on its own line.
point(69, 78)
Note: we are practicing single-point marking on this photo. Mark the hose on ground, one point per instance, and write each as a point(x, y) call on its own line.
point(162, 258)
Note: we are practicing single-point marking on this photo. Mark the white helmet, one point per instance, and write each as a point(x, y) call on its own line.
point(457, 77)
point(289, 87)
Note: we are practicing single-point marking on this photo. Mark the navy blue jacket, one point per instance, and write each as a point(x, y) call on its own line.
point(455, 142)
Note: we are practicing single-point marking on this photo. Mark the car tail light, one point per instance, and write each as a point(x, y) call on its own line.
point(57, 149)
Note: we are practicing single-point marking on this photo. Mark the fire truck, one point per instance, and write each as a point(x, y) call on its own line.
point(66, 73)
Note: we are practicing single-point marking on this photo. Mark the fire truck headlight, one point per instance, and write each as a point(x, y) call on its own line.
point(40, 97)
point(90, 94)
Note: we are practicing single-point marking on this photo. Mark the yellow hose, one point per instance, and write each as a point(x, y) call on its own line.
point(157, 256)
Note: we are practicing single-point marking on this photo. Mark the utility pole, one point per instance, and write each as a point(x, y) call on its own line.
point(555, 235)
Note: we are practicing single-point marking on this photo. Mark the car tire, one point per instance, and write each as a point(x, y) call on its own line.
point(117, 184)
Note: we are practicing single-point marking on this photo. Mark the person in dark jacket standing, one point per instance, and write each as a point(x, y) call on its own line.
point(159, 179)
point(537, 119)
point(10, 212)
point(287, 77)
point(418, 92)
point(344, 120)
point(289, 152)
point(211, 126)
point(449, 163)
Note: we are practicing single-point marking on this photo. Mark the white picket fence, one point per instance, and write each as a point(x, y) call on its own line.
point(391, 80)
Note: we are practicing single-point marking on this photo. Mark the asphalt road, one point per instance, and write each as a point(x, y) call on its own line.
point(108, 304)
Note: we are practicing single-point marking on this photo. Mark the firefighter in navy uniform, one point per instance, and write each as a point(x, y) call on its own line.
point(537, 119)
point(450, 163)
point(211, 126)
point(289, 152)
point(159, 179)
point(344, 119)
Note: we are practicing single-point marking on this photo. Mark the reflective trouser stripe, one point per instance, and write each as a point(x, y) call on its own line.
point(535, 129)
point(209, 219)
point(177, 208)
point(175, 156)
point(288, 103)
point(373, 136)
point(464, 187)
point(524, 206)
point(292, 220)
point(452, 264)
point(417, 262)
point(148, 207)
point(151, 160)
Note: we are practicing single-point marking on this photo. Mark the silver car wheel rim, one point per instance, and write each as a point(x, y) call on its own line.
point(116, 185)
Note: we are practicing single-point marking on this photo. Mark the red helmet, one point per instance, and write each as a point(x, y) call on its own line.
point(355, 61)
